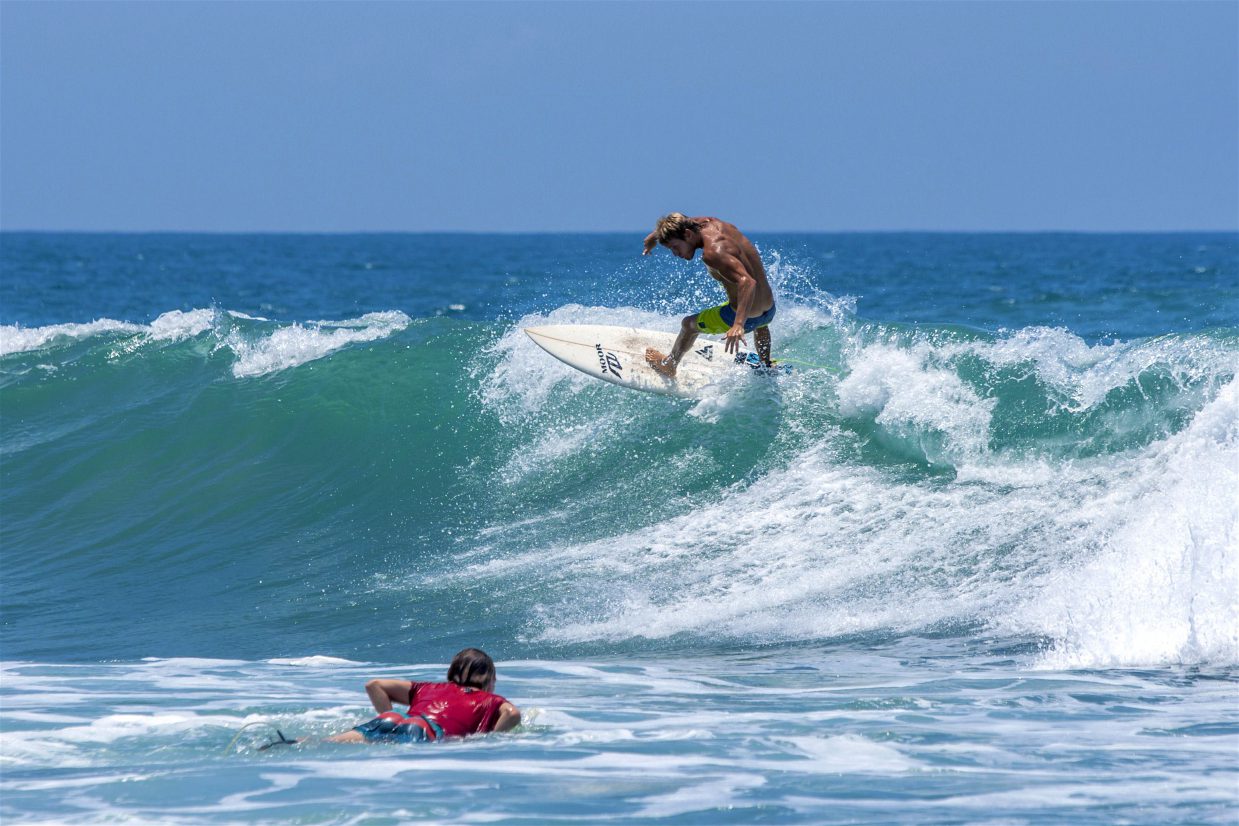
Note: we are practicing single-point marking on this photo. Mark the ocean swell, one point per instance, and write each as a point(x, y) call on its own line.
point(305, 475)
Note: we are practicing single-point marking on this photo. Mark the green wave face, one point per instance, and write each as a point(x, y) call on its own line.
point(355, 488)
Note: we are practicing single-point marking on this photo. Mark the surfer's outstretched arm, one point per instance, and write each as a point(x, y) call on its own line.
point(383, 693)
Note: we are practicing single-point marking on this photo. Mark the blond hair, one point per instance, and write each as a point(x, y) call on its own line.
point(675, 225)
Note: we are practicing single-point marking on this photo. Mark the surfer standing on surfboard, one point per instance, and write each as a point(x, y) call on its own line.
point(732, 260)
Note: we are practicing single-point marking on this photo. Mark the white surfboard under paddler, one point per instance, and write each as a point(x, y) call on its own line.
point(617, 355)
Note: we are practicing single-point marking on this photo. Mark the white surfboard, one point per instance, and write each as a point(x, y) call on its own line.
point(617, 355)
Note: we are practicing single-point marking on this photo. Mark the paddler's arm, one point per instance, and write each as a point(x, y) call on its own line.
point(733, 274)
point(384, 692)
point(509, 717)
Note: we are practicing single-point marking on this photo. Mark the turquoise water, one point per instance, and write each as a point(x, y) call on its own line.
point(981, 565)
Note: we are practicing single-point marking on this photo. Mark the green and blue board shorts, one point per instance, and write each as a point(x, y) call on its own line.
point(391, 727)
point(718, 320)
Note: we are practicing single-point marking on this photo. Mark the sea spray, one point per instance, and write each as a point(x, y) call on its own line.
point(1163, 584)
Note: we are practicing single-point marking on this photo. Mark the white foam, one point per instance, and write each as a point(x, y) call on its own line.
point(815, 549)
point(928, 408)
point(298, 344)
point(17, 339)
point(1084, 374)
point(712, 794)
point(169, 327)
point(191, 663)
point(257, 350)
point(177, 325)
point(64, 746)
point(914, 394)
point(1151, 794)
point(1121, 558)
point(314, 661)
point(847, 753)
point(1164, 586)
point(112, 727)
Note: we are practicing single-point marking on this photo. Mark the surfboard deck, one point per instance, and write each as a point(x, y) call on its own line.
point(617, 355)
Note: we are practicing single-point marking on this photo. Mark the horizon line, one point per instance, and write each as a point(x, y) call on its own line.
point(476, 232)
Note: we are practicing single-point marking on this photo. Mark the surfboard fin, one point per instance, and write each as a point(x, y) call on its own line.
point(283, 741)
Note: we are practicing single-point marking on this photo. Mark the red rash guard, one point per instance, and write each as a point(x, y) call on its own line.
point(458, 710)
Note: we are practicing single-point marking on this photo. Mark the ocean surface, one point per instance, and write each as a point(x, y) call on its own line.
point(975, 559)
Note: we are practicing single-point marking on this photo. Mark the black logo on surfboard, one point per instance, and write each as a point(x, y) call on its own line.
point(751, 359)
point(707, 352)
point(609, 362)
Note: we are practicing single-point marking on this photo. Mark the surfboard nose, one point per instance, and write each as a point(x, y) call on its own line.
point(544, 332)
point(540, 336)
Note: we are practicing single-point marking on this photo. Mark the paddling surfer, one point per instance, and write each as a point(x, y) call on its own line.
point(465, 704)
point(732, 260)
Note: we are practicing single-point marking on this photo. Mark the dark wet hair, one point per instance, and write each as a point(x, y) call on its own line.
point(472, 668)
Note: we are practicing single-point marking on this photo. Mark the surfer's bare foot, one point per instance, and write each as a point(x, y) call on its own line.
point(662, 366)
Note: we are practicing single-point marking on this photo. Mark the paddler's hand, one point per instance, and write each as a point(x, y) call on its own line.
point(734, 338)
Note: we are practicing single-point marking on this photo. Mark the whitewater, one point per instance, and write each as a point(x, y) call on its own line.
point(975, 559)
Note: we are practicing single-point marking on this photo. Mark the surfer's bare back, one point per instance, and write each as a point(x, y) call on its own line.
point(732, 260)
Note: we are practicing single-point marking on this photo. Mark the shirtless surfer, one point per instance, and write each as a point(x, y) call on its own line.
point(732, 260)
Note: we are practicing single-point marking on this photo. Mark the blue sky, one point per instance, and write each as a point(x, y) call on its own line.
point(601, 116)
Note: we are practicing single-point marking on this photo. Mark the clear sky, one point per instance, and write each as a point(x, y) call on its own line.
point(601, 116)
